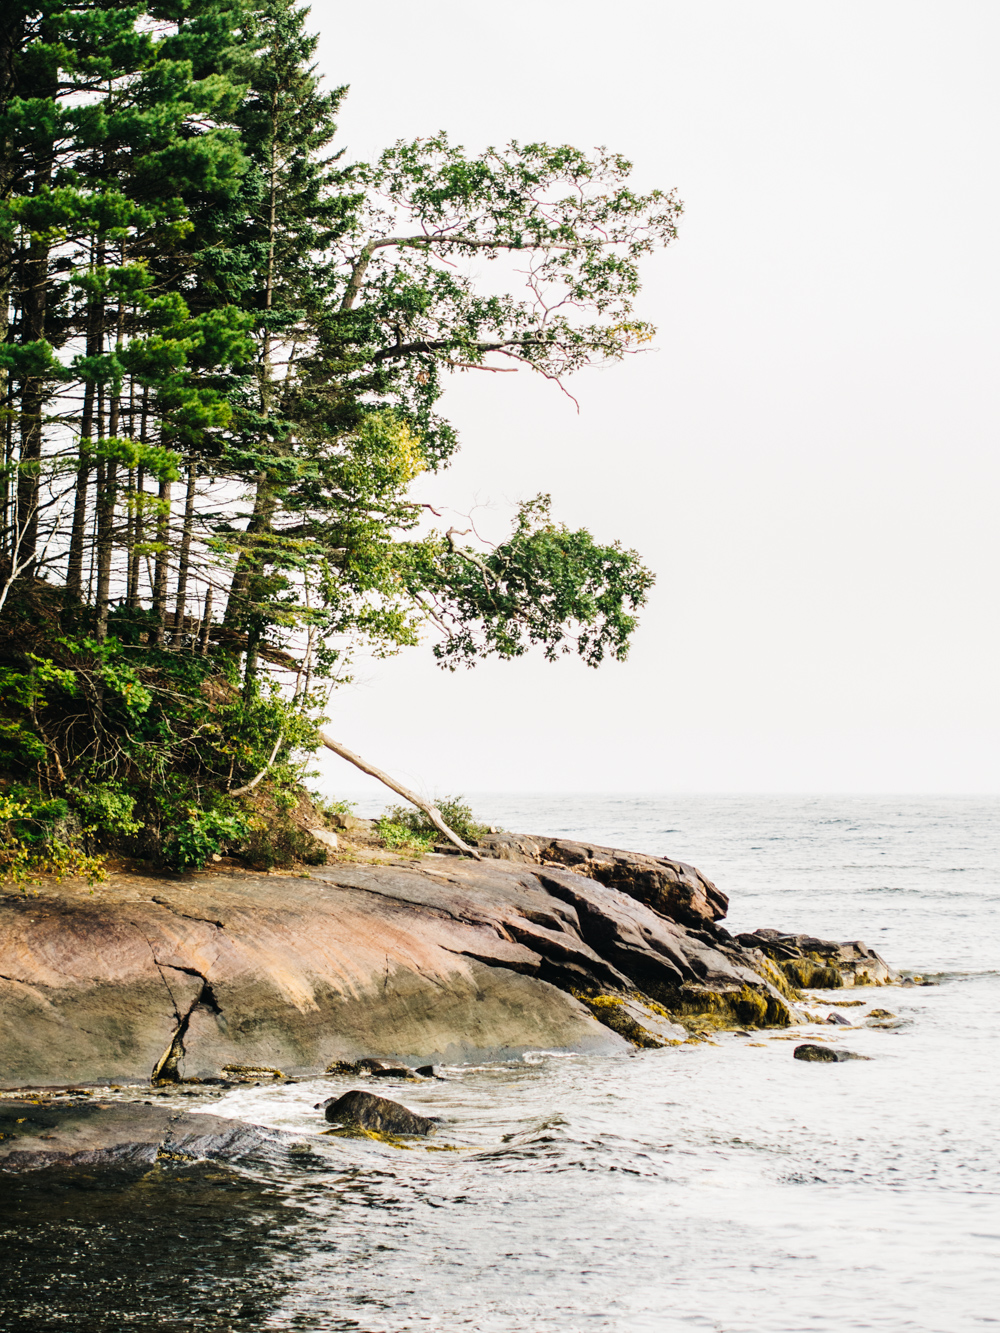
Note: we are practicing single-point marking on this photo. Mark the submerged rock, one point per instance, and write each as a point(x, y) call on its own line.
point(377, 1114)
point(825, 1054)
point(36, 1134)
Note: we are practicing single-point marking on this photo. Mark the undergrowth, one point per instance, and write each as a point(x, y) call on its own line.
point(403, 829)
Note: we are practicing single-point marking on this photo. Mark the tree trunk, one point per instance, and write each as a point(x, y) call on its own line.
point(107, 483)
point(162, 565)
point(248, 563)
point(206, 624)
point(34, 295)
point(138, 532)
point(185, 551)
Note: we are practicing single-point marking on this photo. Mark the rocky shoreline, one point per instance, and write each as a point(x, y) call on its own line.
point(545, 944)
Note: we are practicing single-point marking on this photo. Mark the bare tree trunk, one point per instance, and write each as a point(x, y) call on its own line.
point(107, 482)
point(185, 551)
point(74, 564)
point(139, 527)
point(36, 281)
point(162, 564)
point(248, 563)
point(206, 624)
point(431, 811)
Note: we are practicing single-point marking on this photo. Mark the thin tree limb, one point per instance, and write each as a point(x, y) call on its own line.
point(242, 791)
point(431, 811)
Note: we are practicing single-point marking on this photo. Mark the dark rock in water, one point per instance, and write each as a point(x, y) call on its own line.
point(385, 1069)
point(378, 1114)
point(816, 964)
point(427, 1071)
point(370, 1068)
point(825, 1054)
point(36, 1134)
point(821, 1054)
point(838, 1019)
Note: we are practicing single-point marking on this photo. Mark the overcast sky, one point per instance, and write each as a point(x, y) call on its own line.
point(808, 457)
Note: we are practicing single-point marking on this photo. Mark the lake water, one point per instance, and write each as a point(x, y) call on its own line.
point(726, 1188)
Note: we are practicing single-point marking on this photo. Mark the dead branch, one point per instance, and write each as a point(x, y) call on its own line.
point(242, 791)
point(431, 811)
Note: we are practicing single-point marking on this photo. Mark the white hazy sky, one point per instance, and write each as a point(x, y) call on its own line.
point(807, 459)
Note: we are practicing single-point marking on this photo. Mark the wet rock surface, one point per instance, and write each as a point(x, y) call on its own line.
point(378, 1115)
point(636, 1021)
point(371, 1068)
point(808, 962)
point(35, 1134)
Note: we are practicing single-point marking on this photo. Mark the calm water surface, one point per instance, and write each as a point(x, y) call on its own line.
point(724, 1188)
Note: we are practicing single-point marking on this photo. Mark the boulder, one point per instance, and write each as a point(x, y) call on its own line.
point(326, 837)
point(351, 824)
point(838, 1020)
point(39, 1133)
point(378, 1115)
point(825, 1054)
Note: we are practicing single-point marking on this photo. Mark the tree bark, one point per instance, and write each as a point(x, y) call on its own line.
point(185, 551)
point(162, 564)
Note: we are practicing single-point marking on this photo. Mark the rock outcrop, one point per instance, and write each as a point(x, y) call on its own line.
point(36, 1134)
point(551, 945)
point(670, 887)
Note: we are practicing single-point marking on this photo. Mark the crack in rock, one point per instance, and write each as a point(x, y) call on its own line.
point(162, 902)
point(165, 1069)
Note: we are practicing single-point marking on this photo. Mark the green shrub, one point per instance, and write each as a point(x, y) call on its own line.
point(106, 809)
point(29, 846)
point(454, 811)
point(202, 834)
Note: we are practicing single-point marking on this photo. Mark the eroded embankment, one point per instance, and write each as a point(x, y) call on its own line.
point(441, 960)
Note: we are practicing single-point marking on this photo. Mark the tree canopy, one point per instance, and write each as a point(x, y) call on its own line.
point(224, 358)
